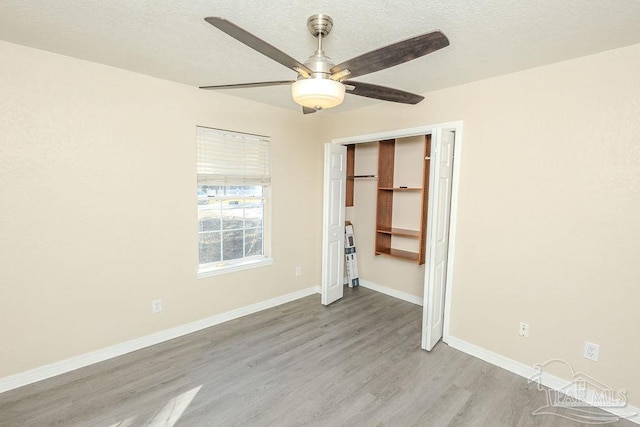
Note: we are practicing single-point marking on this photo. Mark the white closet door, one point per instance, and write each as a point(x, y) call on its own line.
point(335, 179)
point(438, 238)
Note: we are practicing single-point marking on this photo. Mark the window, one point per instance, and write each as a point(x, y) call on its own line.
point(233, 193)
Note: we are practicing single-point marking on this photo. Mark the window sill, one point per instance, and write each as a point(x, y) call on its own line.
point(231, 268)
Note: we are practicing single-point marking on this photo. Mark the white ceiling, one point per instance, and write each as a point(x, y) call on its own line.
point(169, 39)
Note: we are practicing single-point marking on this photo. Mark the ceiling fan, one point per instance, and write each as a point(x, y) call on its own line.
point(322, 84)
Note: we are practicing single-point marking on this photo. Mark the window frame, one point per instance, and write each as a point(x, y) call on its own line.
point(229, 266)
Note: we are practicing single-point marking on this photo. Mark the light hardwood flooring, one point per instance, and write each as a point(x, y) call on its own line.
point(357, 362)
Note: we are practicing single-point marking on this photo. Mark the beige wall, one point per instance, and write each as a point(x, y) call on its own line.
point(97, 185)
point(549, 209)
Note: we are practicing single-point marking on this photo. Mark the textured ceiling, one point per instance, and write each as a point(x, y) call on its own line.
point(169, 39)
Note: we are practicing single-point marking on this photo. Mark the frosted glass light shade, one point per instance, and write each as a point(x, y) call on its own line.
point(318, 93)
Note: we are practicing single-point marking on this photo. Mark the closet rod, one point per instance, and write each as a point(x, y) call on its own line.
point(362, 176)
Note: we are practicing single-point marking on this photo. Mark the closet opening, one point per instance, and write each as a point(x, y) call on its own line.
point(399, 190)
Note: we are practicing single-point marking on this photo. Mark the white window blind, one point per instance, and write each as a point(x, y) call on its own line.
point(230, 158)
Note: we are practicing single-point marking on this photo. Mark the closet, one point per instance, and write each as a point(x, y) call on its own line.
point(402, 194)
point(385, 180)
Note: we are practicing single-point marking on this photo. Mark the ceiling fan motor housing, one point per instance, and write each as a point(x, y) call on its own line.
point(320, 64)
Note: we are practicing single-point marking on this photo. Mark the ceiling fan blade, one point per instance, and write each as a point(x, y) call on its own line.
point(392, 55)
point(246, 85)
point(369, 90)
point(307, 110)
point(258, 44)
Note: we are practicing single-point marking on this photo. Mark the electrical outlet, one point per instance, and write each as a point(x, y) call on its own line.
point(298, 271)
point(156, 305)
point(523, 330)
point(591, 351)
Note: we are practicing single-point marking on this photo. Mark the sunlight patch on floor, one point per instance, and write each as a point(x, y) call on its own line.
point(170, 412)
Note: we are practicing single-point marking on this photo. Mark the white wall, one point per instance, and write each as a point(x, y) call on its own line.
point(549, 209)
point(99, 214)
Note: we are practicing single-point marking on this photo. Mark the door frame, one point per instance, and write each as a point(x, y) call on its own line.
point(453, 217)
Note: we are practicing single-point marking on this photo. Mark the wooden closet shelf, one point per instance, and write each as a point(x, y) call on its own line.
point(399, 232)
point(389, 189)
point(398, 253)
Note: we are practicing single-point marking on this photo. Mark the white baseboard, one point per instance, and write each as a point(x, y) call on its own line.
point(546, 379)
point(391, 292)
point(57, 368)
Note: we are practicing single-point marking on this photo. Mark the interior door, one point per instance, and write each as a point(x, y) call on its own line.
point(335, 179)
point(438, 238)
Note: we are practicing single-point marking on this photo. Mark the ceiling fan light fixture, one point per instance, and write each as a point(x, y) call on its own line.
point(318, 93)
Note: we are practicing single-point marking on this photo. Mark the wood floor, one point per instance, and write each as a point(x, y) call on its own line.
point(357, 362)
